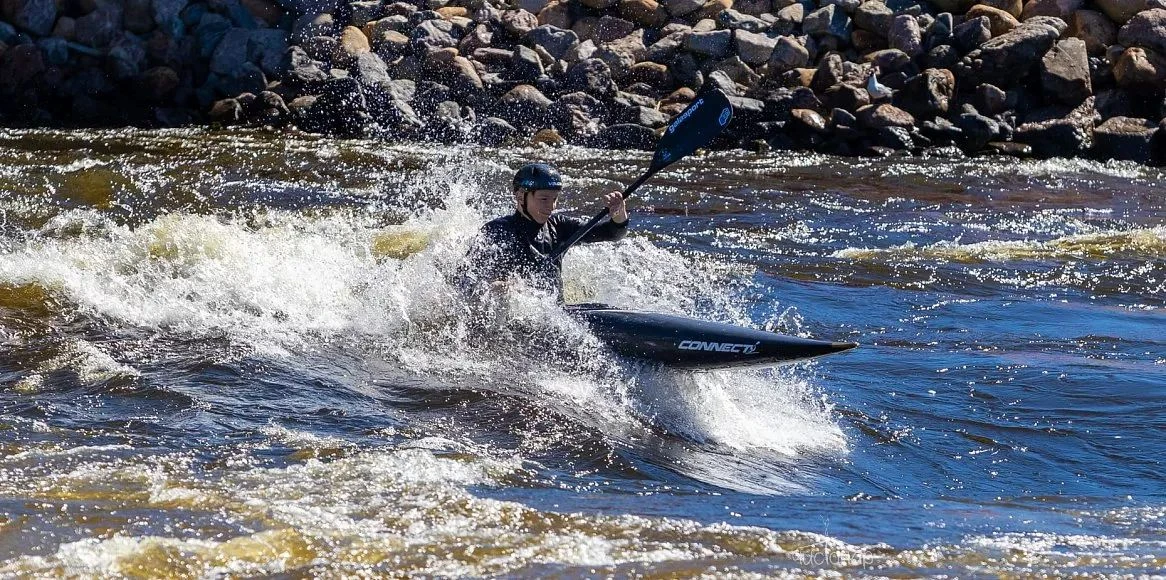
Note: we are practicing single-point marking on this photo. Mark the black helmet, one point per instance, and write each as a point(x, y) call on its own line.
point(538, 176)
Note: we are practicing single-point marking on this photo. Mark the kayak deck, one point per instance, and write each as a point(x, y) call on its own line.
point(689, 343)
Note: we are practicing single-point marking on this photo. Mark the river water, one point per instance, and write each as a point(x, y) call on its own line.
point(238, 353)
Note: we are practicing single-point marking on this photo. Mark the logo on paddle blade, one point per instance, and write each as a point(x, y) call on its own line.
point(665, 155)
point(725, 114)
point(685, 115)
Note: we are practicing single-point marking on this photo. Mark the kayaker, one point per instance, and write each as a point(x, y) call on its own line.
point(520, 244)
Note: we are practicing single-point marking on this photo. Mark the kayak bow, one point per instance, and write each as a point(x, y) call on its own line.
point(689, 343)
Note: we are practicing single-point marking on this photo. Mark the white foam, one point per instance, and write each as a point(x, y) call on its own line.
point(280, 282)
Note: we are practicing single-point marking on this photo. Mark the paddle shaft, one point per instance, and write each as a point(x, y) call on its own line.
point(590, 225)
point(694, 127)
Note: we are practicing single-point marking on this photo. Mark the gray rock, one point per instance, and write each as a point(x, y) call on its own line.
point(716, 44)
point(754, 48)
point(875, 17)
point(136, 17)
point(991, 99)
point(788, 54)
point(1055, 138)
point(591, 76)
point(302, 71)
point(364, 12)
point(55, 50)
point(682, 7)
point(433, 35)
point(98, 28)
point(1146, 29)
point(828, 21)
point(942, 56)
point(322, 48)
point(622, 53)
point(34, 16)
point(906, 36)
point(308, 6)
point(733, 20)
point(644, 116)
point(525, 107)
point(884, 115)
point(686, 71)
point(976, 131)
point(972, 33)
point(555, 40)
point(166, 12)
point(1125, 138)
point(846, 97)
point(495, 131)
point(927, 94)
point(525, 65)
point(663, 50)
point(266, 47)
point(231, 51)
point(370, 70)
point(519, 22)
point(830, 72)
point(1065, 72)
point(1007, 59)
point(627, 136)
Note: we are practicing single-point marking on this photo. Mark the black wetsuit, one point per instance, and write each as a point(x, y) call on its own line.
point(516, 244)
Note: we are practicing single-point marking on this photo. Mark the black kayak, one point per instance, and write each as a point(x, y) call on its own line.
point(689, 343)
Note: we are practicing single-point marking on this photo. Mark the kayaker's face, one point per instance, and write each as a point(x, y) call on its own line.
point(539, 203)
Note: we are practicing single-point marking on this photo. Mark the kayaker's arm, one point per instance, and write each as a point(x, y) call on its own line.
point(610, 230)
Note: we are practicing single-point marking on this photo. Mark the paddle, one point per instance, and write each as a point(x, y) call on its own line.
point(693, 128)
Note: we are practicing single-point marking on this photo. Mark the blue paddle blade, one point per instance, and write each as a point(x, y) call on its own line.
point(693, 128)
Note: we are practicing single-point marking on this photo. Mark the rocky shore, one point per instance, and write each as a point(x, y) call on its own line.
point(876, 77)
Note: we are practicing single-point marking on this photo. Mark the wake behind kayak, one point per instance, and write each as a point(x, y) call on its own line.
point(688, 343)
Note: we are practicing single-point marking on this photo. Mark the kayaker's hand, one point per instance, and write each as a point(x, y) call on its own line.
point(616, 207)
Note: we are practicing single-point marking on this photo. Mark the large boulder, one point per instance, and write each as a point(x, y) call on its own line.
point(788, 54)
point(556, 41)
point(754, 48)
point(999, 21)
point(1006, 60)
point(1013, 7)
point(1067, 136)
point(647, 13)
point(884, 115)
point(683, 7)
point(622, 53)
point(1065, 72)
point(1125, 138)
point(1120, 11)
point(1062, 9)
point(716, 44)
point(431, 35)
point(35, 16)
point(525, 107)
point(1095, 28)
point(972, 33)
point(927, 94)
point(519, 22)
point(591, 76)
point(1146, 29)
point(626, 136)
point(1140, 69)
point(874, 16)
point(19, 65)
point(905, 35)
point(829, 20)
